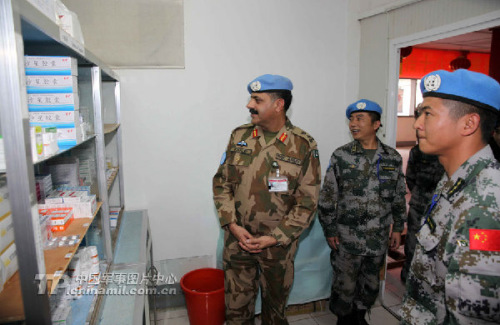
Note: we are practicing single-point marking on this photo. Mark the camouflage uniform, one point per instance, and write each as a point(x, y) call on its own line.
point(422, 175)
point(450, 280)
point(359, 201)
point(242, 196)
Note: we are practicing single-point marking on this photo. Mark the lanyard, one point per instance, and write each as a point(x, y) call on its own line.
point(382, 181)
point(428, 219)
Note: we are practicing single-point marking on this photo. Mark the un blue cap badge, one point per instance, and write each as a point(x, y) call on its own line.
point(361, 105)
point(432, 82)
point(255, 86)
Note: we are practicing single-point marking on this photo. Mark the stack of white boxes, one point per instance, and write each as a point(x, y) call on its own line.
point(64, 170)
point(52, 86)
point(84, 204)
point(87, 165)
point(44, 186)
point(8, 256)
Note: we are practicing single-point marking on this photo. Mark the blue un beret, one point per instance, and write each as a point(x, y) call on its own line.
point(363, 105)
point(269, 83)
point(462, 85)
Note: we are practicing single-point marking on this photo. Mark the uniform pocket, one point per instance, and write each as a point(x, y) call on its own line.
point(292, 173)
point(237, 165)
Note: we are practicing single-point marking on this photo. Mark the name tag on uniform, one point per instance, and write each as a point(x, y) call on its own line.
point(278, 184)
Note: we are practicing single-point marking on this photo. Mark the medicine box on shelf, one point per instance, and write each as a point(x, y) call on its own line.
point(51, 84)
point(53, 102)
point(50, 65)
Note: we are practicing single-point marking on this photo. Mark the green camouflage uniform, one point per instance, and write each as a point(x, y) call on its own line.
point(450, 280)
point(359, 201)
point(422, 175)
point(241, 195)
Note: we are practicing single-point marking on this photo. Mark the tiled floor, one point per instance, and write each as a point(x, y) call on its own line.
point(379, 316)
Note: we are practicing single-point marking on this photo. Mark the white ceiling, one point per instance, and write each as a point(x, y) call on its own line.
point(479, 41)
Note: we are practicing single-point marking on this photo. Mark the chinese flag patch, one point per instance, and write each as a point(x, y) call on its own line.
point(484, 239)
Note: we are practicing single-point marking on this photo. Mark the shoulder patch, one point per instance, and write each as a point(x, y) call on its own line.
point(242, 132)
point(303, 134)
point(245, 126)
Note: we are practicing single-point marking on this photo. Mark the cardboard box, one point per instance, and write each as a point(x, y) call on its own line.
point(51, 65)
point(49, 139)
point(53, 102)
point(88, 206)
point(60, 219)
point(51, 84)
point(68, 136)
point(6, 231)
point(64, 171)
point(55, 118)
point(8, 259)
point(47, 7)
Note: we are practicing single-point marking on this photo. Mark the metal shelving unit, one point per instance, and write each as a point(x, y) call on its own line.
point(26, 30)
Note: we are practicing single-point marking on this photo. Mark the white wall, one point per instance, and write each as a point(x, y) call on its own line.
point(176, 123)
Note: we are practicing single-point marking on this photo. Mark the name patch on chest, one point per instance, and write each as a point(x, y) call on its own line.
point(388, 168)
point(244, 151)
point(288, 159)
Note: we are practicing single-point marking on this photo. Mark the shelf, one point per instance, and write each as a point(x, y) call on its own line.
point(58, 153)
point(26, 31)
point(11, 305)
point(112, 177)
point(58, 259)
point(109, 128)
point(44, 37)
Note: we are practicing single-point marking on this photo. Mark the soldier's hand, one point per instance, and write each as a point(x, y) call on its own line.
point(333, 242)
point(395, 240)
point(243, 236)
point(261, 242)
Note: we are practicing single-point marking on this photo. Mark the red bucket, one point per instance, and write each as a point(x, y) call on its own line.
point(204, 293)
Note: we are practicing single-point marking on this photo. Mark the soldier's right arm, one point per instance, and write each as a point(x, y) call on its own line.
point(223, 191)
point(327, 204)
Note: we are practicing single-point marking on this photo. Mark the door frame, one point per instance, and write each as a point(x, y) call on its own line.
point(469, 25)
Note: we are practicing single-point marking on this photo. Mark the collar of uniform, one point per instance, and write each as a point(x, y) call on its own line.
point(472, 167)
point(283, 134)
point(357, 148)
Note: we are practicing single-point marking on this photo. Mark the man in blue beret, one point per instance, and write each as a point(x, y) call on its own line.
point(455, 273)
point(266, 193)
point(363, 193)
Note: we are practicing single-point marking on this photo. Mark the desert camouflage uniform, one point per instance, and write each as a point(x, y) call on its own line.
point(449, 281)
point(422, 175)
point(241, 195)
point(359, 201)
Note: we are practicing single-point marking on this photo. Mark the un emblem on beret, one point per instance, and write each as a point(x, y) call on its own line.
point(361, 105)
point(432, 82)
point(255, 86)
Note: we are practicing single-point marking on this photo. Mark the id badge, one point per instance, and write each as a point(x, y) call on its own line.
point(278, 184)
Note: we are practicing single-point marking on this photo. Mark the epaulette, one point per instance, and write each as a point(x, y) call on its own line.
point(303, 134)
point(244, 126)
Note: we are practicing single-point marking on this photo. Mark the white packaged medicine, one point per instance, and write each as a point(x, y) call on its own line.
point(54, 118)
point(51, 65)
point(53, 102)
point(51, 84)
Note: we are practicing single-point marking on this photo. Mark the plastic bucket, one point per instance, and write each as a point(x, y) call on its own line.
point(204, 293)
